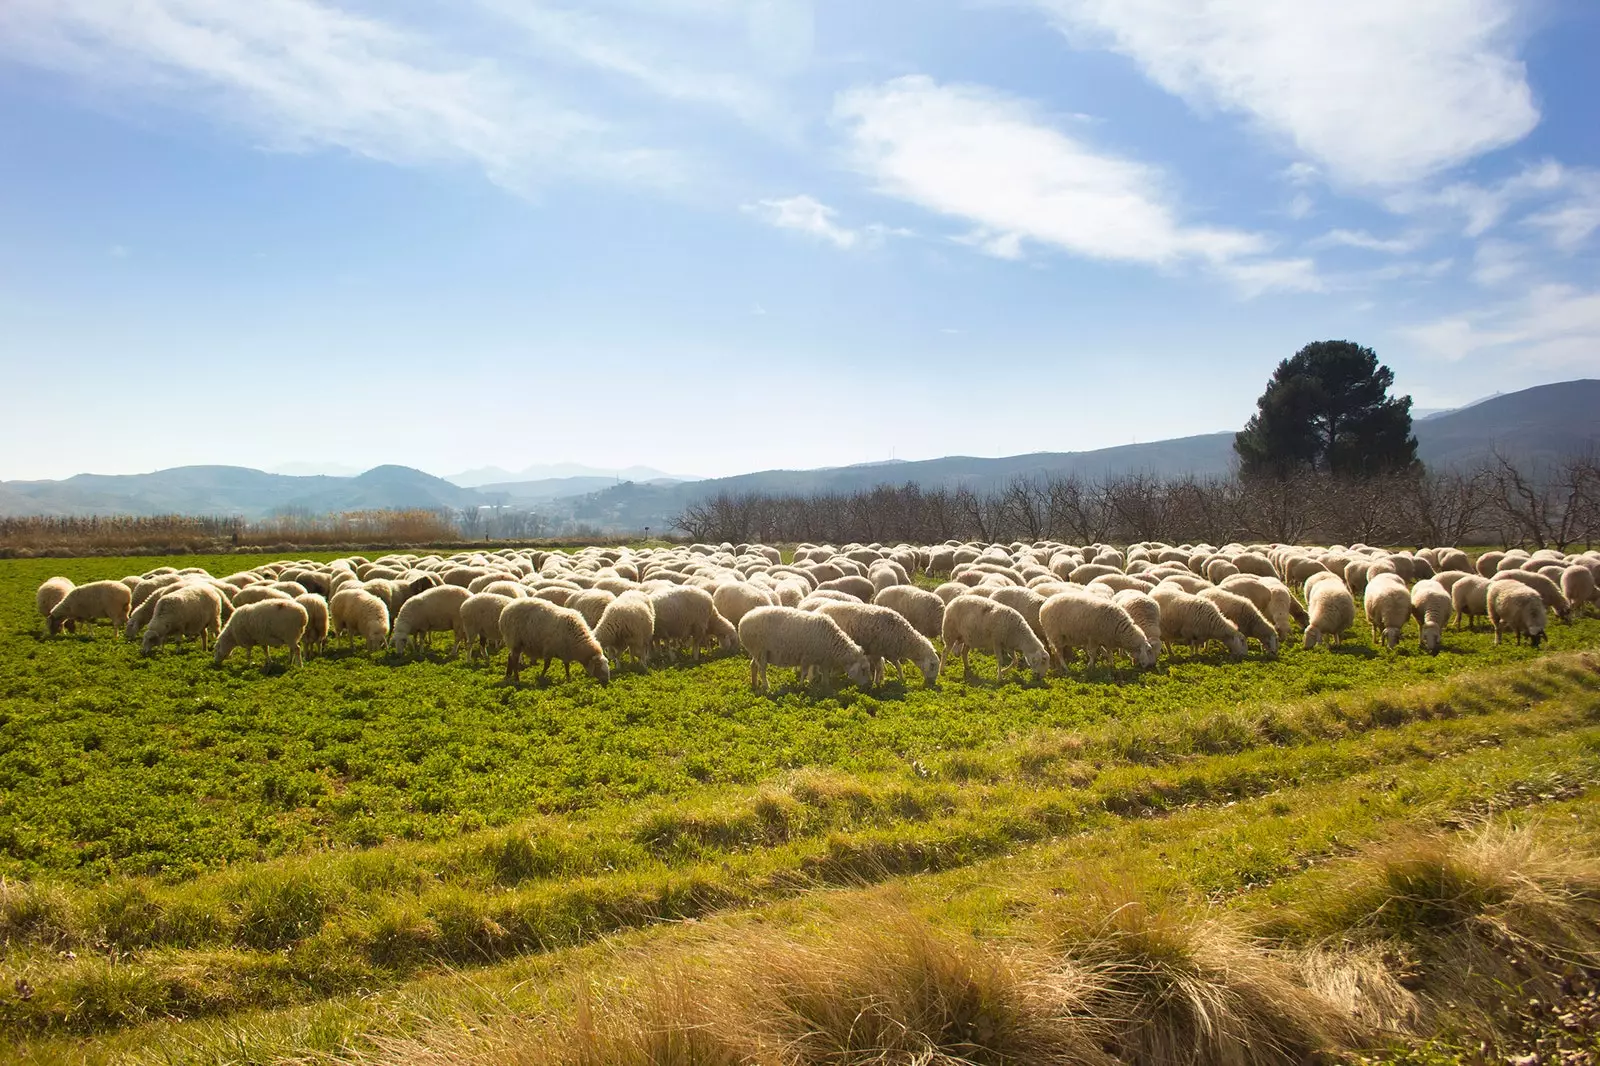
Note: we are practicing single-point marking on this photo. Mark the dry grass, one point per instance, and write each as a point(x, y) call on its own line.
point(113, 534)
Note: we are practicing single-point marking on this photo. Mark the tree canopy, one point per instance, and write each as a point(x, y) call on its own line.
point(1328, 409)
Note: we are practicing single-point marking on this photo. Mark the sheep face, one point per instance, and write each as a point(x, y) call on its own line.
point(1235, 643)
point(1430, 639)
point(929, 667)
point(599, 669)
point(859, 672)
point(1313, 637)
point(1144, 657)
point(1038, 661)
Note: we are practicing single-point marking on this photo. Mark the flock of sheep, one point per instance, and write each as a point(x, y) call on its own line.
point(831, 611)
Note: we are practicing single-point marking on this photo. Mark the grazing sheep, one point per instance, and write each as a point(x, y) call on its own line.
point(1188, 619)
point(1578, 586)
point(885, 636)
point(809, 641)
point(1431, 606)
point(1518, 608)
point(110, 600)
point(734, 599)
point(1072, 621)
point(1330, 611)
point(688, 614)
point(51, 593)
point(975, 621)
point(1187, 582)
point(316, 634)
point(193, 609)
point(1451, 560)
point(541, 630)
point(437, 610)
point(1269, 596)
point(1488, 563)
point(1470, 595)
point(480, 621)
point(1548, 590)
point(1025, 602)
point(361, 614)
point(1245, 616)
point(859, 587)
point(1145, 612)
point(628, 624)
point(822, 596)
point(1388, 608)
point(267, 623)
point(256, 593)
point(921, 608)
point(591, 603)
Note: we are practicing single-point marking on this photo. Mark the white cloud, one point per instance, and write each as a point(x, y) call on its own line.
point(806, 214)
point(1482, 207)
point(1376, 92)
point(1255, 277)
point(992, 161)
point(303, 75)
point(1366, 241)
point(1569, 223)
point(1554, 325)
point(1301, 206)
point(1495, 262)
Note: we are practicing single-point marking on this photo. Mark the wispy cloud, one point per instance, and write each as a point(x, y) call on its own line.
point(1553, 325)
point(993, 161)
point(1347, 238)
point(1496, 262)
point(1482, 207)
point(301, 75)
point(1376, 92)
point(806, 214)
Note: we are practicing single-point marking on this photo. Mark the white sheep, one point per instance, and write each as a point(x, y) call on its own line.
point(734, 598)
point(269, 624)
point(591, 603)
point(1518, 608)
point(541, 630)
point(1330, 610)
point(921, 608)
point(1188, 619)
point(193, 609)
point(437, 610)
point(1578, 586)
point(1431, 606)
point(1270, 596)
point(1251, 623)
point(1470, 596)
point(316, 634)
point(256, 593)
point(1145, 612)
point(109, 600)
point(1388, 607)
point(52, 592)
point(811, 642)
point(687, 614)
point(1072, 621)
point(975, 621)
point(480, 621)
point(1548, 590)
point(359, 613)
point(885, 636)
point(628, 624)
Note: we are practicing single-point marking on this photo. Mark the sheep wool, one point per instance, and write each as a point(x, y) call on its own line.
point(52, 592)
point(1516, 608)
point(357, 612)
point(1388, 608)
point(1330, 610)
point(316, 634)
point(628, 624)
point(1431, 606)
point(1577, 585)
point(1470, 596)
point(1145, 612)
point(921, 608)
point(811, 642)
point(437, 610)
point(976, 622)
point(734, 599)
point(480, 621)
point(885, 637)
point(190, 610)
point(108, 600)
point(1244, 615)
point(1072, 622)
point(539, 630)
point(267, 624)
point(1188, 619)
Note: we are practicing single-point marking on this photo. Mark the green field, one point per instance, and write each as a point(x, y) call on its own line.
point(209, 864)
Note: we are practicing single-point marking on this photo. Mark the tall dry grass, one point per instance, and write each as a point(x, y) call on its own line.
point(177, 534)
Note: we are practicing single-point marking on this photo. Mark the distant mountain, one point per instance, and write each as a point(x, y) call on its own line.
point(1538, 424)
point(494, 475)
point(313, 469)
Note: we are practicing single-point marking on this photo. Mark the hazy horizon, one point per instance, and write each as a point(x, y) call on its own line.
point(730, 235)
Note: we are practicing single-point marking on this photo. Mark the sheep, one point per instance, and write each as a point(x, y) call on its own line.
point(1488, 563)
point(686, 613)
point(1548, 590)
point(973, 621)
point(541, 630)
point(1072, 621)
point(361, 614)
point(316, 634)
point(1121, 582)
point(88, 603)
point(1187, 582)
point(1145, 612)
point(1518, 608)
point(1269, 596)
point(1188, 619)
point(628, 624)
point(269, 623)
point(438, 610)
point(885, 636)
point(1245, 616)
point(734, 599)
point(1578, 586)
point(1330, 610)
point(809, 641)
point(256, 593)
point(1025, 602)
point(921, 608)
point(52, 592)
point(193, 609)
point(859, 587)
point(1431, 605)
point(480, 621)
point(591, 603)
point(1388, 607)
point(1470, 596)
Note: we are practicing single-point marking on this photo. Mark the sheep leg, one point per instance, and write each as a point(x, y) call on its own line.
point(514, 664)
point(546, 671)
point(966, 665)
point(1002, 661)
point(566, 666)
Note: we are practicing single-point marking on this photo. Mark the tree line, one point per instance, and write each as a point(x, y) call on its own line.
point(1552, 504)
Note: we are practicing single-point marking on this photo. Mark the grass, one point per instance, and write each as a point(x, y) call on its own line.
point(204, 865)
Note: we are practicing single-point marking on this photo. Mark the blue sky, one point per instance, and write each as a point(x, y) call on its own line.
point(720, 235)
